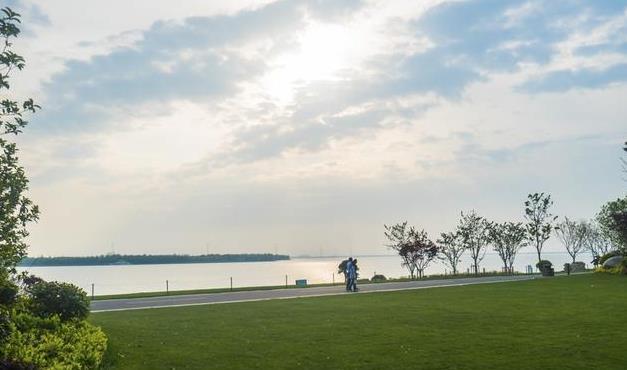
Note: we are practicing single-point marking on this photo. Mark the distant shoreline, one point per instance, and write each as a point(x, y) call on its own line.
point(121, 260)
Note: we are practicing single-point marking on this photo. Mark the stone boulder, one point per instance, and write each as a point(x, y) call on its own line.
point(578, 267)
point(612, 262)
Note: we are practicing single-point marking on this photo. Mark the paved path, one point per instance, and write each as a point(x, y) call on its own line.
point(261, 295)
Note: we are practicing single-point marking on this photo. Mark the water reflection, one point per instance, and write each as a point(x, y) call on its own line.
point(144, 278)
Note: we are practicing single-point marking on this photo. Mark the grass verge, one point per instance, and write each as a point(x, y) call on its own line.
point(576, 322)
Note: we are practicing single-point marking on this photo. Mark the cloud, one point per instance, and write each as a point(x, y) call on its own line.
point(309, 123)
point(215, 60)
point(586, 78)
point(31, 12)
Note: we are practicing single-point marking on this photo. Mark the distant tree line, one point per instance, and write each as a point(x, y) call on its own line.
point(147, 259)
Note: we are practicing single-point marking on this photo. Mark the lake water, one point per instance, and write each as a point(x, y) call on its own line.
point(146, 278)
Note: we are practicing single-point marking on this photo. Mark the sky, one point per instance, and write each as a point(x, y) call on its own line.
point(302, 127)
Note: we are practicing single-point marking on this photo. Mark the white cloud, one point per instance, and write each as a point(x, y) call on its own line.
point(276, 128)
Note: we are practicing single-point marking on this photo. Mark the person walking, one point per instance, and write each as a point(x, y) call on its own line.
point(353, 278)
point(347, 273)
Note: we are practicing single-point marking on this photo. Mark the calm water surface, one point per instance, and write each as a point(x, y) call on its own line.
point(146, 278)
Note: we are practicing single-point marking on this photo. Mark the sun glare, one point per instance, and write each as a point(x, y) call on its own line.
point(323, 51)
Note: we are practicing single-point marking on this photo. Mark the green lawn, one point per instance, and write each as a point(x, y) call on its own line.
point(576, 322)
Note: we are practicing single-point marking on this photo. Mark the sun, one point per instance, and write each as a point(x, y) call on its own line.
point(322, 53)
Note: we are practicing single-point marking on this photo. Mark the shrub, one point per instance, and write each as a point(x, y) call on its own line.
point(50, 343)
point(5, 326)
point(53, 298)
point(378, 277)
point(8, 292)
point(544, 264)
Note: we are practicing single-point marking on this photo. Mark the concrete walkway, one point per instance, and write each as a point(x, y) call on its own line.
point(261, 295)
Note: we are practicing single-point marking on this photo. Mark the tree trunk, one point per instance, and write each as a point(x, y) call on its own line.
point(539, 257)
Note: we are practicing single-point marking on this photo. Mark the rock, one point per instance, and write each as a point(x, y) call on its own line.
point(577, 267)
point(613, 262)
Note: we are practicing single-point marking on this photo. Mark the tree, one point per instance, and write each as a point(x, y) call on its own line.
point(397, 235)
point(414, 247)
point(421, 250)
point(612, 219)
point(539, 220)
point(32, 335)
point(595, 243)
point(451, 250)
point(507, 239)
point(16, 209)
point(473, 236)
point(571, 234)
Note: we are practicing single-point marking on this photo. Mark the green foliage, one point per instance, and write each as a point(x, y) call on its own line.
point(50, 343)
point(544, 264)
point(473, 231)
point(539, 220)
point(413, 246)
point(16, 210)
point(451, 250)
point(507, 239)
point(44, 328)
point(573, 235)
point(8, 292)
point(378, 278)
point(612, 219)
point(595, 242)
point(621, 269)
point(65, 300)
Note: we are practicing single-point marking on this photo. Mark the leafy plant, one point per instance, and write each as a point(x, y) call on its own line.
point(507, 239)
point(16, 210)
point(612, 219)
point(451, 250)
point(539, 220)
point(61, 299)
point(544, 264)
point(378, 278)
point(413, 246)
point(473, 232)
point(50, 343)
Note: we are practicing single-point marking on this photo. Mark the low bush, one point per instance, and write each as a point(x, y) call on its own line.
point(378, 278)
point(50, 343)
point(53, 298)
point(620, 269)
point(8, 292)
point(544, 264)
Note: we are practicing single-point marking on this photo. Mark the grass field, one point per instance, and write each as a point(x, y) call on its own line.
point(576, 322)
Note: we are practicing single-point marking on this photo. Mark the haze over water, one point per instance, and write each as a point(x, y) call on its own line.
point(146, 278)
